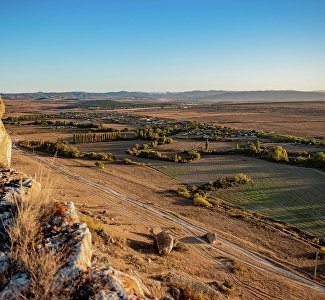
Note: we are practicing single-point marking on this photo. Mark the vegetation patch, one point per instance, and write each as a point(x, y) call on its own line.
point(237, 266)
point(99, 164)
point(128, 161)
point(64, 149)
point(199, 194)
point(102, 137)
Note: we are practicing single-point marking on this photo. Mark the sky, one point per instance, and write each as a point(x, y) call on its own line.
point(161, 45)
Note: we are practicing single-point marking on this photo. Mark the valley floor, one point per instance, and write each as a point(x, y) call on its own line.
point(104, 195)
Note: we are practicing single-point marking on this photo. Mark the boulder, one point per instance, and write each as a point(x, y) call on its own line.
point(211, 237)
point(164, 241)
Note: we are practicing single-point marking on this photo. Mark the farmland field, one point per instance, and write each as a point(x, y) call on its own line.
point(287, 193)
point(180, 145)
point(41, 133)
point(305, 119)
point(118, 148)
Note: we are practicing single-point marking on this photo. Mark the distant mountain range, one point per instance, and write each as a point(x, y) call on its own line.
point(193, 96)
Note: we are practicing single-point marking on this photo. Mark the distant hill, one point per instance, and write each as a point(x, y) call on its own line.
point(200, 96)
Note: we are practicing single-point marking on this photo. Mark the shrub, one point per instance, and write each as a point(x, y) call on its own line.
point(131, 162)
point(228, 284)
point(100, 164)
point(215, 201)
point(237, 266)
point(278, 153)
point(184, 192)
point(242, 178)
point(317, 160)
point(199, 200)
point(193, 154)
point(99, 156)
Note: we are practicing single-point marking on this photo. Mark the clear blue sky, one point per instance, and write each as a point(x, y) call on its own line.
point(161, 45)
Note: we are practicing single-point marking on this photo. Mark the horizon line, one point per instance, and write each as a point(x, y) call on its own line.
point(160, 92)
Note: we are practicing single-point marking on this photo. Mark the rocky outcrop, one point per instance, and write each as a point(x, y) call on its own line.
point(5, 141)
point(63, 230)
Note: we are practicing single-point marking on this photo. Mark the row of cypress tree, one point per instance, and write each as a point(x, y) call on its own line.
point(102, 137)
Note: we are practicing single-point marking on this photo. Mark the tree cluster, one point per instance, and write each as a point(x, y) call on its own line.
point(64, 149)
point(101, 137)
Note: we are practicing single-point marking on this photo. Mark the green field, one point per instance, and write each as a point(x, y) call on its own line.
point(291, 194)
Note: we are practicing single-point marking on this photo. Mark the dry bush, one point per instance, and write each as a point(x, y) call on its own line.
point(230, 287)
point(92, 224)
point(237, 266)
point(42, 267)
point(180, 247)
point(25, 234)
point(32, 210)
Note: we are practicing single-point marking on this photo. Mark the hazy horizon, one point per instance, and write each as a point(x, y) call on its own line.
point(155, 92)
point(163, 46)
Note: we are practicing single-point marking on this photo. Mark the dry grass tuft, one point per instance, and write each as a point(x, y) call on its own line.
point(92, 224)
point(25, 234)
point(237, 266)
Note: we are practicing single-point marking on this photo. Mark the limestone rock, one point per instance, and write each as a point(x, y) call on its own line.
point(5, 141)
point(2, 107)
point(18, 284)
point(4, 262)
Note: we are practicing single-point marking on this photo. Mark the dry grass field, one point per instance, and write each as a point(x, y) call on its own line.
point(116, 147)
point(306, 119)
point(180, 145)
point(20, 107)
point(45, 133)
